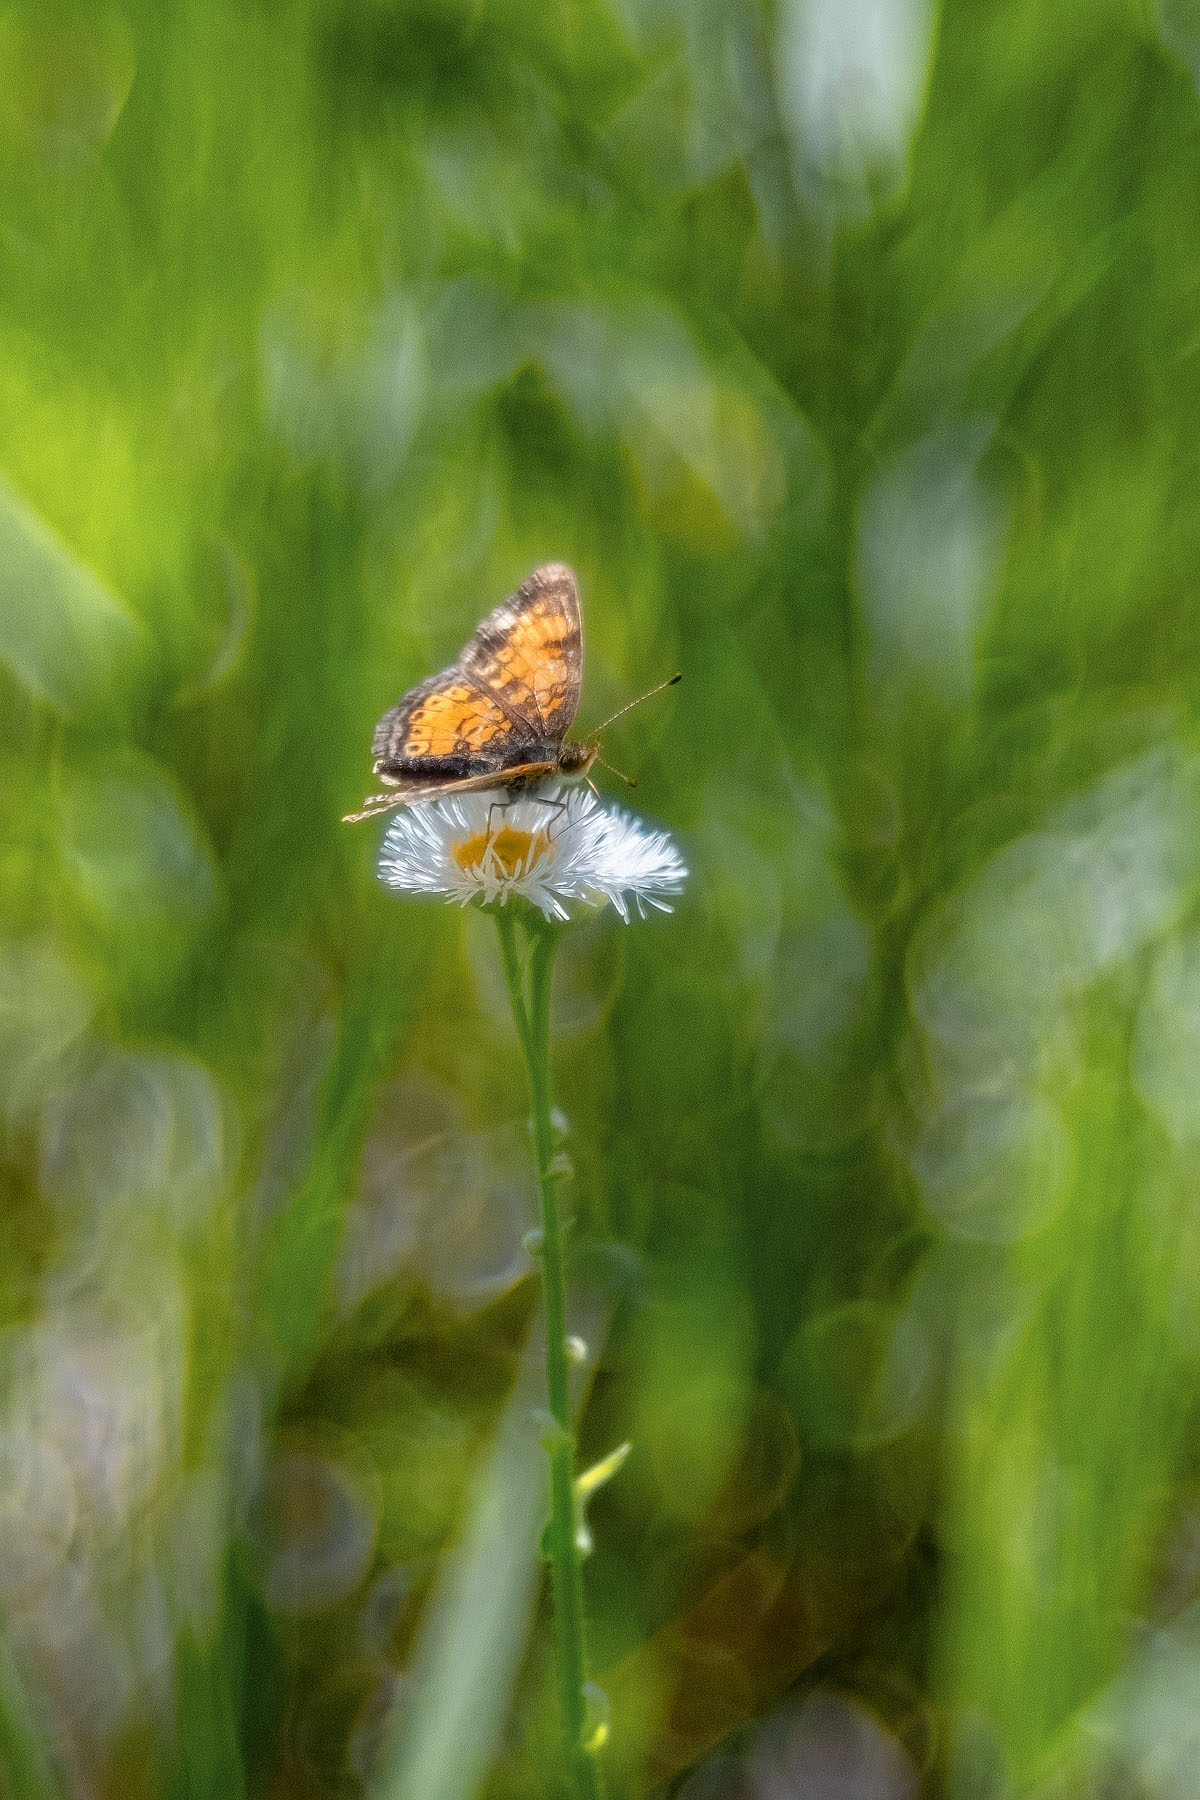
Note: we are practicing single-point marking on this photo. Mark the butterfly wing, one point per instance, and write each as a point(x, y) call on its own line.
point(505, 704)
point(447, 728)
point(528, 653)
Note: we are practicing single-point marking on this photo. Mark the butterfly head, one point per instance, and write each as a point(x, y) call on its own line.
point(577, 759)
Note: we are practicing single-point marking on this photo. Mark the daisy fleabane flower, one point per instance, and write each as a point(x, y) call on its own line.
point(557, 848)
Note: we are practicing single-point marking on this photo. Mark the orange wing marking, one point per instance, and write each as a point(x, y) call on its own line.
point(529, 652)
point(456, 717)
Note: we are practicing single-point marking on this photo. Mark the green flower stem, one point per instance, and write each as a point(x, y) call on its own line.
point(532, 1016)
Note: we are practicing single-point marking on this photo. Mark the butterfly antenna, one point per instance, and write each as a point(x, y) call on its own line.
point(629, 780)
point(649, 695)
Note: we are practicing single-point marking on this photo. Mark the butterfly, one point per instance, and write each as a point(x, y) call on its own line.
point(499, 715)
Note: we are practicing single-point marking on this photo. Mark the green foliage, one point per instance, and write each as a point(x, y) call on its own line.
point(850, 356)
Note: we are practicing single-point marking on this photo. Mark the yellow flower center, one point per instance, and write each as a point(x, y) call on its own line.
point(513, 852)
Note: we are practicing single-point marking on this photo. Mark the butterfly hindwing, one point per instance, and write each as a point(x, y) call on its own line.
point(448, 724)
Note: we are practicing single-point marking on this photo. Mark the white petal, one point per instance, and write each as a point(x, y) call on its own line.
point(577, 850)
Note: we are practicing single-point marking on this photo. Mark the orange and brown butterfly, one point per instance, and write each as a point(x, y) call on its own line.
point(498, 717)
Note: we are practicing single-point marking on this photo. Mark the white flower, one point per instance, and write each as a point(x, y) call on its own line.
point(550, 847)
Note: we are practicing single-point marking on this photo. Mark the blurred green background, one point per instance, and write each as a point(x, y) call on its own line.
point(850, 352)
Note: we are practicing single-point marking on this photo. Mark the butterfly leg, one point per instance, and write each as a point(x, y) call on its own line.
point(556, 807)
point(498, 805)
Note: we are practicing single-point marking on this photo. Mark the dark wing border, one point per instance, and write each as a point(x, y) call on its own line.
point(387, 743)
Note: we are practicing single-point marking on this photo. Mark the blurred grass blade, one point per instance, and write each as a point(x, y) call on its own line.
point(64, 634)
point(25, 1770)
point(474, 1632)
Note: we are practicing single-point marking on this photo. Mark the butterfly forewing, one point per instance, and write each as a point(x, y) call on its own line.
point(529, 652)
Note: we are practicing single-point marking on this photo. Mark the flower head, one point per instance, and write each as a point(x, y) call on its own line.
point(553, 847)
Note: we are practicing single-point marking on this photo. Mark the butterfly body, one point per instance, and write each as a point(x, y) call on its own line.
point(498, 716)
